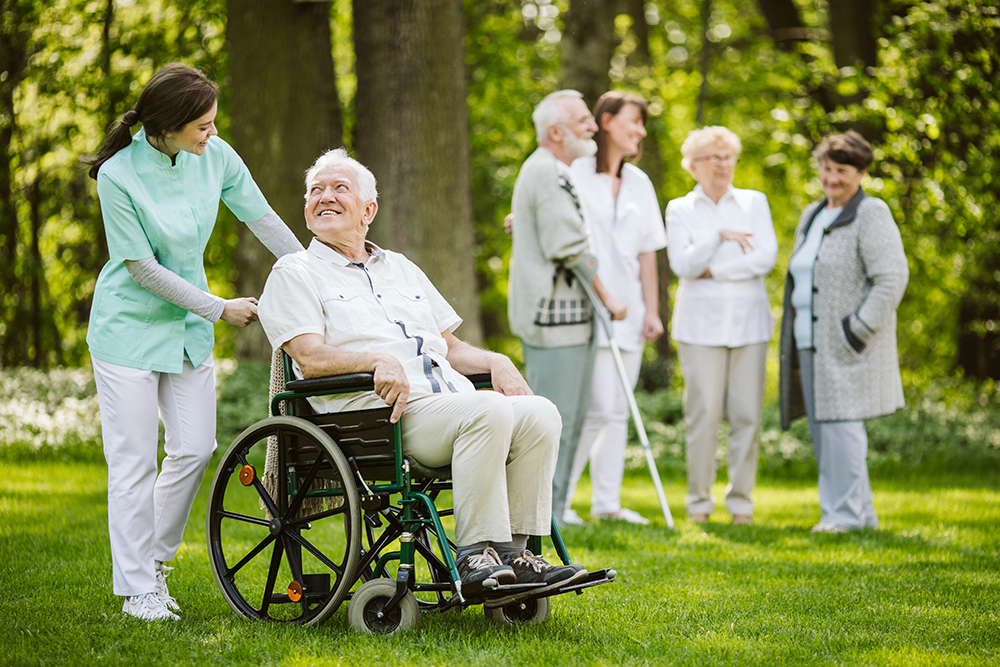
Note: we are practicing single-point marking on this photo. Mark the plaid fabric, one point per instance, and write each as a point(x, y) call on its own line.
point(563, 306)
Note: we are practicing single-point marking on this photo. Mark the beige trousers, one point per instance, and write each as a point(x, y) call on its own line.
point(502, 451)
point(719, 380)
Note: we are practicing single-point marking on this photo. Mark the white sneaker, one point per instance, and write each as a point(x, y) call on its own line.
point(161, 586)
point(829, 528)
point(571, 518)
point(626, 515)
point(148, 607)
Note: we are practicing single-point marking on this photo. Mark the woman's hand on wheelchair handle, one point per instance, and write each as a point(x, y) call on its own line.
point(391, 385)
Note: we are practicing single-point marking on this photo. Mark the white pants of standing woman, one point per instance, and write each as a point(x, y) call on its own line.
point(147, 512)
point(721, 380)
point(605, 433)
point(841, 448)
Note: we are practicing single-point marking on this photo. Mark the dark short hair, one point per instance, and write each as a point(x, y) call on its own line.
point(613, 102)
point(847, 148)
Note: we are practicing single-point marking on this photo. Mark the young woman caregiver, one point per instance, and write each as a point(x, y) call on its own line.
point(151, 324)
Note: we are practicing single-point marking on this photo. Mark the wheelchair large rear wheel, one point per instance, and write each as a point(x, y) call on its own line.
point(289, 554)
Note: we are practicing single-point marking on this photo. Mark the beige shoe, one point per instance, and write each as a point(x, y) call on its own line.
point(699, 518)
point(742, 520)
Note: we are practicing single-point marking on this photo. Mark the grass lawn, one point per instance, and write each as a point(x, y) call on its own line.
point(924, 590)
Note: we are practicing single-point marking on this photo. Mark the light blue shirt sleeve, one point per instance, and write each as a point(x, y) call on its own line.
point(239, 191)
point(126, 237)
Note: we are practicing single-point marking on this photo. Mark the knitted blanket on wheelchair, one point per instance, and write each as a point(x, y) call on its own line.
point(271, 468)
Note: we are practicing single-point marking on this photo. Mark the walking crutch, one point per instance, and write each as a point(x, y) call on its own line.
point(602, 315)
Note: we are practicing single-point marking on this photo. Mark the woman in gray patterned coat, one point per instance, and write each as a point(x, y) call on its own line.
point(839, 364)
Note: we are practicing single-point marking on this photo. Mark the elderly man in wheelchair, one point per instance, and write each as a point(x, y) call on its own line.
point(345, 306)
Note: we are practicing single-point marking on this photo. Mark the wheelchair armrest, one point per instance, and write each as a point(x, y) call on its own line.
point(481, 380)
point(356, 381)
point(364, 382)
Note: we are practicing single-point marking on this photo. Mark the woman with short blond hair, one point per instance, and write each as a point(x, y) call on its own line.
point(721, 244)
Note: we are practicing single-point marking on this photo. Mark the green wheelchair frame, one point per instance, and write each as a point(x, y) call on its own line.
point(332, 481)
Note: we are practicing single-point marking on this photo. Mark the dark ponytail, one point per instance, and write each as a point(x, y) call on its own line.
point(175, 96)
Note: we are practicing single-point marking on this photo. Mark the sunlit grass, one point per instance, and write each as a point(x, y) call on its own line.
point(922, 590)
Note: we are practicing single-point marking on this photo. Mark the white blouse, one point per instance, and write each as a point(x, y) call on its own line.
point(621, 229)
point(730, 309)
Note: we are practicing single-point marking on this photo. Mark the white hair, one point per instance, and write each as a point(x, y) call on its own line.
point(708, 136)
point(337, 157)
point(551, 111)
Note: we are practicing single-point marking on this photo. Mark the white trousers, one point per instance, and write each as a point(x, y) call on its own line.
point(502, 452)
point(147, 512)
point(721, 380)
point(841, 448)
point(605, 432)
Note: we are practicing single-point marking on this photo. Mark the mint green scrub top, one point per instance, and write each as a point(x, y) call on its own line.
point(154, 209)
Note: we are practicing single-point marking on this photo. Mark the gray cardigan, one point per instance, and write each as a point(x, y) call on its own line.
point(546, 305)
point(859, 278)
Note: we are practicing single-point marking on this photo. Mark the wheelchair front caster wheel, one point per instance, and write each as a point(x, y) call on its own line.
point(520, 612)
point(367, 612)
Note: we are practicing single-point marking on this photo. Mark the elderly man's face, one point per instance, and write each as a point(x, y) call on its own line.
point(578, 141)
point(334, 211)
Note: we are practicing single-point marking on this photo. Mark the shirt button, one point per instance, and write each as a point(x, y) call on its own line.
point(378, 296)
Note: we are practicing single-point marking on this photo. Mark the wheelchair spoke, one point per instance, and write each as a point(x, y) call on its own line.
point(249, 557)
point(295, 565)
point(300, 494)
point(317, 553)
point(225, 514)
point(272, 576)
point(318, 516)
point(261, 491)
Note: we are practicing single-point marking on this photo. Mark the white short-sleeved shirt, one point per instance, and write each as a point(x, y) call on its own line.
point(386, 305)
point(157, 207)
point(730, 309)
point(621, 229)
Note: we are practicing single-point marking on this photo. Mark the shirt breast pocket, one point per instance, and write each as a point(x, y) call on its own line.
point(346, 309)
point(410, 305)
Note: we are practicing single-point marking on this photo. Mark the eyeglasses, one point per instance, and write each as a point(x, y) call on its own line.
point(719, 159)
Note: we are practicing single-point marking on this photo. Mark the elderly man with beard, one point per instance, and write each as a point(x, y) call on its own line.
point(548, 308)
point(344, 305)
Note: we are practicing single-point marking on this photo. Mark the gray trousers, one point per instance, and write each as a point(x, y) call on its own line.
point(841, 448)
point(721, 380)
point(562, 375)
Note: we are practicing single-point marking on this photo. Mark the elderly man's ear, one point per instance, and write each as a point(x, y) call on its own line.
point(371, 208)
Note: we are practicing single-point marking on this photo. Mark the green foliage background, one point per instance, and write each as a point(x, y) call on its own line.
point(932, 99)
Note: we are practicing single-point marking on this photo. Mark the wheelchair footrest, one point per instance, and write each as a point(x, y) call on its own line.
point(475, 594)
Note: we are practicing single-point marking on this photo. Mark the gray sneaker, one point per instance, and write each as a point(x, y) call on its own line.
point(161, 586)
point(477, 568)
point(148, 607)
point(532, 569)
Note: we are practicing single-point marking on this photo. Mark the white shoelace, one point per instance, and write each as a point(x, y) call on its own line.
point(528, 559)
point(162, 593)
point(489, 558)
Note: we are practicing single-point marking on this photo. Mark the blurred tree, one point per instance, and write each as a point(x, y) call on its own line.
point(412, 130)
point(588, 42)
point(286, 113)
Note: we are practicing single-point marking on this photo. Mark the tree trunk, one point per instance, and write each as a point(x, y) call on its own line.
point(853, 35)
point(15, 50)
point(587, 46)
point(652, 164)
point(412, 131)
point(285, 114)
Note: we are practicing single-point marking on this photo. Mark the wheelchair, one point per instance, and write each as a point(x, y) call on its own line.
point(308, 510)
